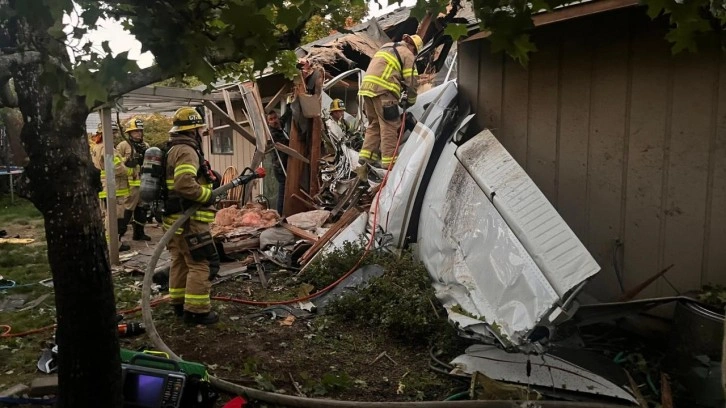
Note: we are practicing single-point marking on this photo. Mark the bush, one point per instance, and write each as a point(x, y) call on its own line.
point(401, 301)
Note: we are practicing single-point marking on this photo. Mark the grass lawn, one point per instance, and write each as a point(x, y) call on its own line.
point(26, 265)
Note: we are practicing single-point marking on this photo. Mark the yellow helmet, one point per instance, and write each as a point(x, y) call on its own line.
point(337, 105)
point(134, 124)
point(99, 128)
point(416, 40)
point(186, 118)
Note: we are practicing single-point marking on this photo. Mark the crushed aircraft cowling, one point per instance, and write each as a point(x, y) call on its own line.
point(504, 263)
point(501, 257)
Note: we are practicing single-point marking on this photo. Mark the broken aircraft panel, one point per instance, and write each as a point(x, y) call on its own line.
point(499, 252)
point(549, 371)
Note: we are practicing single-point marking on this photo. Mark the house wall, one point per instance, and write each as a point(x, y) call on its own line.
point(242, 150)
point(627, 141)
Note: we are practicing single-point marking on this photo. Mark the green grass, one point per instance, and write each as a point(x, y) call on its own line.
point(20, 212)
point(26, 265)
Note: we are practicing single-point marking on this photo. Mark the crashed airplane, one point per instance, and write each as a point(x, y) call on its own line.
point(504, 263)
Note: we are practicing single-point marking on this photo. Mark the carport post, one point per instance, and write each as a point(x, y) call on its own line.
point(111, 216)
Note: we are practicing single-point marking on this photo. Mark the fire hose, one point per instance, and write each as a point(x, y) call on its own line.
point(289, 400)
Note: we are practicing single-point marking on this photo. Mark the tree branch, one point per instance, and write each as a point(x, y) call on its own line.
point(8, 97)
point(10, 62)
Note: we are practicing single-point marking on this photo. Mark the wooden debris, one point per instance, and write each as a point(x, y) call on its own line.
point(297, 386)
point(241, 245)
point(315, 155)
point(629, 295)
point(384, 354)
point(19, 241)
point(344, 200)
point(290, 152)
point(635, 390)
point(35, 303)
point(343, 222)
point(305, 203)
point(17, 389)
point(300, 233)
point(260, 269)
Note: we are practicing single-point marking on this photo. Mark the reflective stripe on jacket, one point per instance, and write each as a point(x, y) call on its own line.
point(121, 172)
point(385, 73)
point(183, 181)
point(125, 150)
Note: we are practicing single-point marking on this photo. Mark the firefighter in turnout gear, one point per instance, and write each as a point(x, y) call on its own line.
point(132, 151)
point(121, 176)
point(391, 74)
point(193, 254)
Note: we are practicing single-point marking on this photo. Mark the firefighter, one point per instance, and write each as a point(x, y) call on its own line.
point(121, 176)
point(193, 254)
point(132, 151)
point(337, 113)
point(391, 72)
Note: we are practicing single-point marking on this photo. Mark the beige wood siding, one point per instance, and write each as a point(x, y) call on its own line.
point(243, 150)
point(627, 141)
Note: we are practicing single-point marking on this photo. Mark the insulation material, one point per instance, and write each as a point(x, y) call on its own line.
point(560, 255)
point(253, 216)
point(482, 274)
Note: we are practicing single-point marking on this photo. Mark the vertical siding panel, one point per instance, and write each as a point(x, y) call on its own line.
point(606, 138)
point(649, 94)
point(490, 87)
point(574, 123)
point(542, 129)
point(715, 267)
point(685, 206)
point(468, 76)
point(515, 97)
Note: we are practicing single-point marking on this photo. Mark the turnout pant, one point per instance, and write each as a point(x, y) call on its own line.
point(381, 134)
point(189, 283)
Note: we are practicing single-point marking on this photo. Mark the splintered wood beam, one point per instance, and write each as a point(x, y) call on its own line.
point(300, 233)
point(345, 220)
point(292, 153)
point(242, 245)
point(423, 28)
point(310, 206)
point(295, 172)
point(216, 110)
point(315, 154)
point(275, 99)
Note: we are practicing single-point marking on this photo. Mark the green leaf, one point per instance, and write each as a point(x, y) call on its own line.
point(289, 16)
point(456, 31)
point(106, 47)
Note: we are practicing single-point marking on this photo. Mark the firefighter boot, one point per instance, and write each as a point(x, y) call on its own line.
point(201, 318)
point(139, 232)
point(122, 247)
point(138, 225)
point(178, 310)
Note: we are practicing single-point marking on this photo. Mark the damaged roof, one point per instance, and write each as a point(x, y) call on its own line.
point(343, 51)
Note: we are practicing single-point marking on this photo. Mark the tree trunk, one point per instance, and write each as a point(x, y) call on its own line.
point(60, 181)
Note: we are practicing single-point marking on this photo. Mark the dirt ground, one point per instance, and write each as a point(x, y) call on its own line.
point(314, 356)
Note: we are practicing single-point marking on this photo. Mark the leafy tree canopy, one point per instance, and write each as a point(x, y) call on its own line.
point(350, 13)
